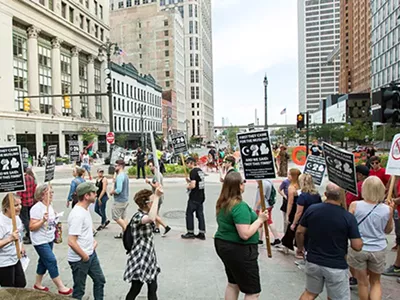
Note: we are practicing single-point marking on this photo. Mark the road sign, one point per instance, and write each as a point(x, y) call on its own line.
point(110, 137)
point(11, 170)
point(179, 143)
point(393, 164)
point(73, 150)
point(251, 127)
point(341, 168)
point(315, 166)
point(116, 154)
point(50, 163)
point(256, 153)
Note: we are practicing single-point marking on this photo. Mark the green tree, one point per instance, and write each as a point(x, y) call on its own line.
point(358, 131)
point(385, 133)
point(231, 135)
point(121, 138)
point(89, 136)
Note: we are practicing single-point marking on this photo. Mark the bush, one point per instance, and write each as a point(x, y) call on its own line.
point(132, 171)
point(175, 169)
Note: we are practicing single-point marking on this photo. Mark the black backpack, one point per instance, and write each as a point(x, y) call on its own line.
point(127, 237)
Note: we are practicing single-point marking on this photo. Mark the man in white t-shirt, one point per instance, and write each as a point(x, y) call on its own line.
point(81, 252)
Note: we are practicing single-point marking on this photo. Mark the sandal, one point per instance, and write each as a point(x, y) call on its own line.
point(43, 289)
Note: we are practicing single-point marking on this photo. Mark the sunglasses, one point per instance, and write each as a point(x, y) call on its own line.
point(375, 163)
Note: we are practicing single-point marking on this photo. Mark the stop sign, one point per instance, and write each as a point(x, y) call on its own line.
point(110, 137)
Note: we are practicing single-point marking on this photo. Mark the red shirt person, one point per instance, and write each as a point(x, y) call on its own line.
point(27, 201)
point(377, 170)
point(362, 173)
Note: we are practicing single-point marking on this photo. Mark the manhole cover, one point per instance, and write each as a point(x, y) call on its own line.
point(175, 214)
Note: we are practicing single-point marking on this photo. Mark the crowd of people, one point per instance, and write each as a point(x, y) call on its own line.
point(338, 238)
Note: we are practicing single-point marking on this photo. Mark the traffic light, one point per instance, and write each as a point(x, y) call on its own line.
point(67, 102)
point(300, 121)
point(388, 105)
point(27, 104)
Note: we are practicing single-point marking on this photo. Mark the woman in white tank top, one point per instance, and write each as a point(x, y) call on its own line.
point(375, 220)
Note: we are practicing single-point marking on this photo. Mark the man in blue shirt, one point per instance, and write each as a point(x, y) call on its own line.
point(121, 196)
point(329, 227)
point(72, 196)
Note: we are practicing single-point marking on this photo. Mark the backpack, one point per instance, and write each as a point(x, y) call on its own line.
point(272, 196)
point(127, 237)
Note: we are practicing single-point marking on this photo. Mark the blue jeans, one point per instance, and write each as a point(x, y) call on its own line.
point(101, 209)
point(80, 271)
point(47, 260)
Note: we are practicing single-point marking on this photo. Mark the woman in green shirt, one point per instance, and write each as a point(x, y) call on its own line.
point(237, 238)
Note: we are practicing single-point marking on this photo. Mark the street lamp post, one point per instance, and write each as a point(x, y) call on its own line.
point(266, 101)
point(142, 126)
point(110, 48)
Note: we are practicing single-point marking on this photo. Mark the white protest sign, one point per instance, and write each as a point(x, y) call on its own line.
point(393, 164)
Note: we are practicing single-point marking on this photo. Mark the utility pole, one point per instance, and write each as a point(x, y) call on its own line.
point(266, 101)
point(141, 126)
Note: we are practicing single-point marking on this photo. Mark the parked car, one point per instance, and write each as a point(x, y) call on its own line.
point(360, 149)
point(130, 157)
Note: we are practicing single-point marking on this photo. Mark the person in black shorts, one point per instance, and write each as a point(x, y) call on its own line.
point(196, 199)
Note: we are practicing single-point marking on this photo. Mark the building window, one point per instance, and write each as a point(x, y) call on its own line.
point(101, 12)
point(64, 10)
point(122, 88)
point(20, 71)
point(167, 83)
point(197, 94)
point(165, 22)
point(192, 78)
point(88, 26)
point(87, 3)
point(195, 10)
point(191, 59)
point(45, 79)
point(71, 15)
point(65, 81)
point(166, 73)
point(81, 18)
point(191, 43)
point(96, 31)
point(97, 89)
point(166, 53)
point(197, 76)
point(196, 60)
point(190, 10)
point(51, 5)
point(83, 83)
point(190, 27)
point(96, 8)
point(128, 3)
point(101, 34)
point(140, 35)
point(197, 43)
point(192, 93)
point(120, 4)
point(166, 43)
point(165, 32)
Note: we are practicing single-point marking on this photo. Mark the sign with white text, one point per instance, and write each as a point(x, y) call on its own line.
point(179, 143)
point(11, 170)
point(315, 166)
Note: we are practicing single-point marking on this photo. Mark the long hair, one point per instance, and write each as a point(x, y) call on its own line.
point(295, 174)
point(307, 184)
point(230, 192)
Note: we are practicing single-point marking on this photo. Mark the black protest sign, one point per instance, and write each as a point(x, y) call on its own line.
point(315, 166)
point(116, 154)
point(256, 154)
point(11, 170)
point(179, 143)
point(25, 157)
point(341, 168)
point(73, 150)
point(50, 163)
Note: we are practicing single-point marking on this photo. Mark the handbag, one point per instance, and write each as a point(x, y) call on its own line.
point(363, 219)
point(58, 233)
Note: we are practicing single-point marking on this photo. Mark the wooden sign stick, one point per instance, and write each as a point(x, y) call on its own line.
point(184, 165)
point(47, 205)
point(14, 223)
point(263, 208)
point(391, 187)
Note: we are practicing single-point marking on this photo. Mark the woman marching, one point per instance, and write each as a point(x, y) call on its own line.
point(11, 271)
point(293, 194)
point(283, 161)
point(142, 264)
point(43, 226)
point(236, 241)
point(101, 199)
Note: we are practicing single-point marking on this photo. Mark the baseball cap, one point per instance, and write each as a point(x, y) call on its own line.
point(363, 170)
point(100, 170)
point(85, 188)
point(190, 159)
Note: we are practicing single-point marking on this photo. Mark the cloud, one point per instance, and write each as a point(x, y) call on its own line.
point(263, 35)
point(218, 4)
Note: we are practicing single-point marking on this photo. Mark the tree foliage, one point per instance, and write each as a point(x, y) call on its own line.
point(121, 138)
point(89, 136)
point(231, 135)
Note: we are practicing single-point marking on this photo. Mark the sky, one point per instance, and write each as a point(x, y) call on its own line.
point(250, 41)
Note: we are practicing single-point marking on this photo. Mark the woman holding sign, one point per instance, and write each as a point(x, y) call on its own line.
point(236, 240)
point(11, 271)
point(43, 227)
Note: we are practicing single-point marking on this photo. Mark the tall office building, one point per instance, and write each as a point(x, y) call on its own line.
point(52, 48)
point(153, 41)
point(198, 59)
point(318, 36)
point(385, 42)
point(355, 46)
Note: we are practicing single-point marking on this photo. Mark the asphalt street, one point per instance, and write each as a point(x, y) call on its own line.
point(189, 269)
